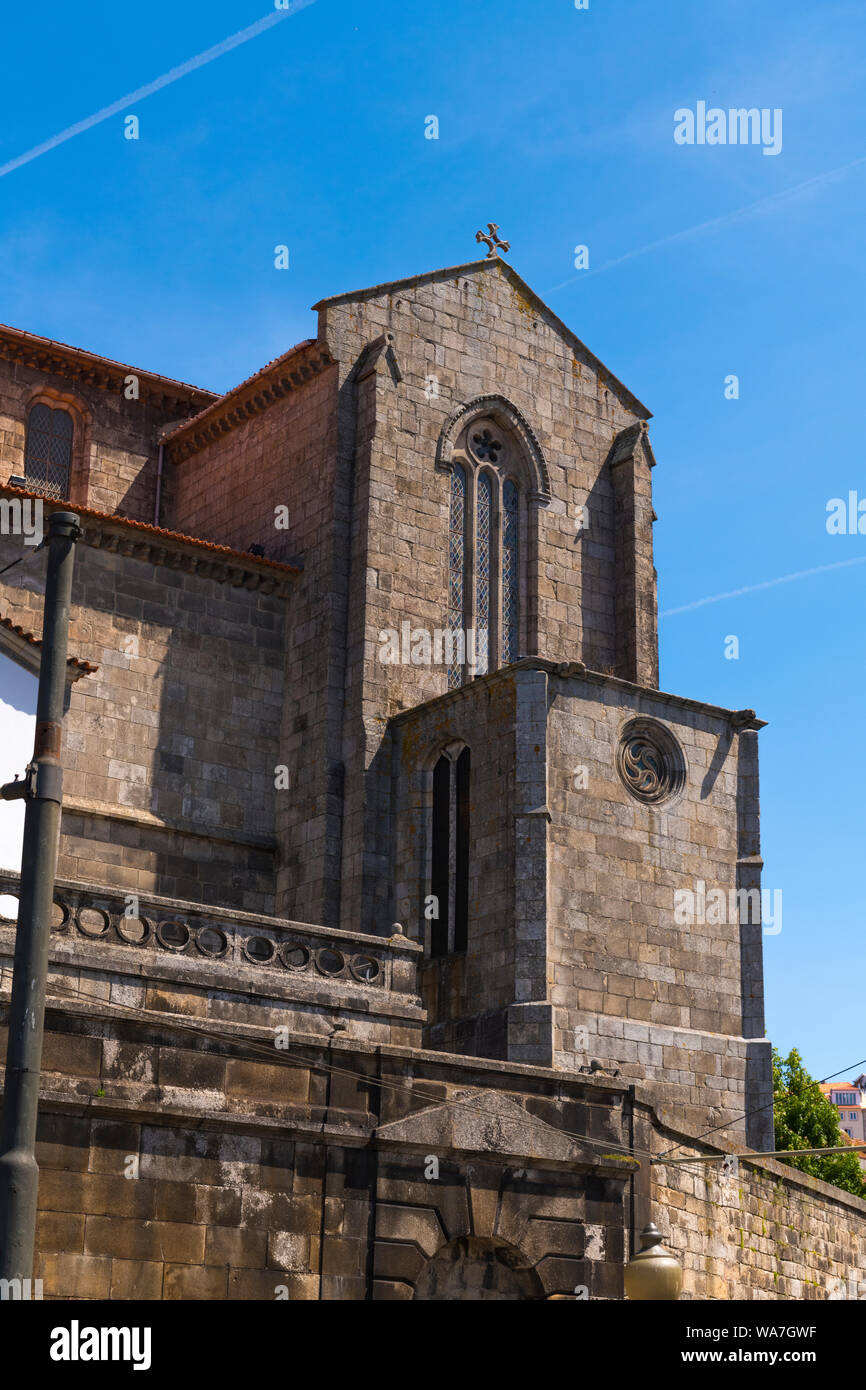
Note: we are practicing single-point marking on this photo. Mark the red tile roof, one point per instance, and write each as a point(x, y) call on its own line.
point(146, 530)
point(18, 338)
point(221, 400)
point(85, 668)
point(248, 398)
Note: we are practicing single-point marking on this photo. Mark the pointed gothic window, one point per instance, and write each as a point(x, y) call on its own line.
point(483, 552)
point(456, 566)
point(461, 851)
point(48, 451)
point(439, 875)
point(485, 560)
point(449, 877)
point(510, 586)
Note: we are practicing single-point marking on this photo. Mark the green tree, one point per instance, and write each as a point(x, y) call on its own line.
point(805, 1119)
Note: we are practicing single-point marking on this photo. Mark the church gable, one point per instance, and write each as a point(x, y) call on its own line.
point(479, 432)
point(484, 284)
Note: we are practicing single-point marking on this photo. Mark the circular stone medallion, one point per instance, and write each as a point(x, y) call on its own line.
point(650, 761)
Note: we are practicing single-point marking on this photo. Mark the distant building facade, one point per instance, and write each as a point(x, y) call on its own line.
point(849, 1098)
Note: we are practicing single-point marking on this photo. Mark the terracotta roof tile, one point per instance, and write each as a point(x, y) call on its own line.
point(85, 668)
point(221, 400)
point(213, 548)
point(243, 400)
point(21, 336)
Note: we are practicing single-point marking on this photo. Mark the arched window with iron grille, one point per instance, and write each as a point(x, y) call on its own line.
point(485, 573)
point(510, 644)
point(456, 576)
point(485, 583)
point(48, 450)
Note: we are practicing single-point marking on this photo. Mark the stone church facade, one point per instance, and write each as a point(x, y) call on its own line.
point(369, 973)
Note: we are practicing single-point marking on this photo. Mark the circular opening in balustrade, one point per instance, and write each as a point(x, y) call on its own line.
point(258, 949)
point(329, 961)
point(296, 957)
point(8, 908)
point(211, 942)
point(59, 915)
point(135, 930)
point(93, 921)
point(365, 968)
point(174, 936)
point(650, 761)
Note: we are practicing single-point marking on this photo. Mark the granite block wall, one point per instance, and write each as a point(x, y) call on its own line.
point(115, 454)
point(765, 1232)
point(191, 1166)
point(657, 997)
point(170, 748)
point(286, 455)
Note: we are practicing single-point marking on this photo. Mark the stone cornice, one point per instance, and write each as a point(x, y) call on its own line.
point(102, 810)
point(577, 669)
point(45, 355)
point(153, 544)
point(678, 1138)
point(183, 553)
point(278, 379)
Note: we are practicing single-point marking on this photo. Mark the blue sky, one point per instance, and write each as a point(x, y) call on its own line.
point(557, 124)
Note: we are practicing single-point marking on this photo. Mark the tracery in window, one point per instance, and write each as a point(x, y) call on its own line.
point(483, 553)
point(456, 567)
point(485, 446)
point(485, 559)
point(510, 573)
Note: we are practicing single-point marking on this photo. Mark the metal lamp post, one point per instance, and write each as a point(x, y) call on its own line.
point(42, 789)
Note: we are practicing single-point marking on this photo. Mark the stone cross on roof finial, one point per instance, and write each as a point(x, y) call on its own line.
point(493, 242)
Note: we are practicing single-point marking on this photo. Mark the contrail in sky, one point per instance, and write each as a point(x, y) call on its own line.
point(225, 46)
point(766, 204)
point(766, 584)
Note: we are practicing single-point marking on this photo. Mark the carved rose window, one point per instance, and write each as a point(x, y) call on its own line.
point(485, 446)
